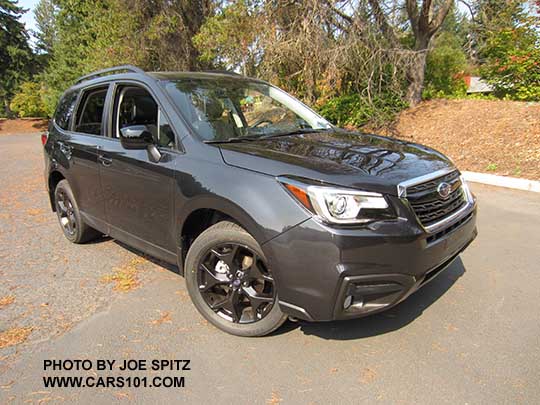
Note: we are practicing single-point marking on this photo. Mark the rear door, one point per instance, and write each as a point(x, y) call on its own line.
point(81, 147)
point(137, 191)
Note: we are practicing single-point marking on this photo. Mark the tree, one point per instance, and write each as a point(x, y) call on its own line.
point(85, 35)
point(425, 22)
point(316, 49)
point(28, 102)
point(229, 37)
point(446, 62)
point(163, 31)
point(511, 53)
point(69, 51)
point(15, 53)
point(45, 16)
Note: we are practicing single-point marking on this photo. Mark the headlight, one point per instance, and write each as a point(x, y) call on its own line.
point(339, 205)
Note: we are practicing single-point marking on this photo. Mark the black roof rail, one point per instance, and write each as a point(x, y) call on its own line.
point(97, 73)
point(223, 72)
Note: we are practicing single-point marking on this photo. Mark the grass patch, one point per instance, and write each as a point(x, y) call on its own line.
point(7, 300)
point(14, 336)
point(491, 167)
point(125, 278)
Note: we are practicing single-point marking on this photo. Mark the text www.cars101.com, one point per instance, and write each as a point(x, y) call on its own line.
point(112, 382)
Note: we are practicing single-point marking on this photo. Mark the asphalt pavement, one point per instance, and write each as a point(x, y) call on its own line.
point(470, 336)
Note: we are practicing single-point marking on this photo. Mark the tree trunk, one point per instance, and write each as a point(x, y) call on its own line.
point(417, 70)
point(424, 23)
point(416, 75)
point(7, 111)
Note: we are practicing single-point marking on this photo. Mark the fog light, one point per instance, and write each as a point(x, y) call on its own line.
point(348, 301)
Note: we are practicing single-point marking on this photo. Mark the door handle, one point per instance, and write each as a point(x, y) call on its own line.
point(105, 161)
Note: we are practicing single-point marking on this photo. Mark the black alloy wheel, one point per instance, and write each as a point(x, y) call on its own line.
point(235, 283)
point(230, 282)
point(66, 213)
point(69, 217)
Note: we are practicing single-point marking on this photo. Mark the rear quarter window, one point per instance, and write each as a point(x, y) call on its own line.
point(89, 115)
point(65, 109)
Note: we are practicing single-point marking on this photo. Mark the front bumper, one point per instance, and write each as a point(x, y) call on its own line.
point(317, 267)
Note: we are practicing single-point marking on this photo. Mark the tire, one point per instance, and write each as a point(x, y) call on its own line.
point(226, 268)
point(69, 216)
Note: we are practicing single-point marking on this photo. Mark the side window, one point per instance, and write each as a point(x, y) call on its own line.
point(64, 110)
point(165, 134)
point(90, 112)
point(135, 106)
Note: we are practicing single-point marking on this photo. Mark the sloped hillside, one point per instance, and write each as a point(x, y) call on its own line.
point(498, 137)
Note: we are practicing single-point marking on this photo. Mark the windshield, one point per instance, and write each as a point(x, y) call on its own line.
point(222, 109)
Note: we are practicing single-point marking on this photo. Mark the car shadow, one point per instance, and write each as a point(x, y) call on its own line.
point(151, 259)
point(98, 240)
point(388, 321)
point(106, 238)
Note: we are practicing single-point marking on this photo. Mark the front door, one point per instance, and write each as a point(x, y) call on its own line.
point(137, 191)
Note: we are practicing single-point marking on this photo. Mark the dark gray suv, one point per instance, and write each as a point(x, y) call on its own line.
point(267, 209)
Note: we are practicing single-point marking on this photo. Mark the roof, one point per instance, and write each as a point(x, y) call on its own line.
point(133, 70)
point(198, 75)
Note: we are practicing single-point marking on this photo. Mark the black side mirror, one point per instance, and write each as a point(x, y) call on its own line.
point(136, 137)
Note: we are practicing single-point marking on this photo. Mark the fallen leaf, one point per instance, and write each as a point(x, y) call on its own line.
point(164, 318)
point(14, 336)
point(7, 300)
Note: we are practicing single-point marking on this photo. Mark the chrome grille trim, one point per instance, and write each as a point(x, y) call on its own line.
point(448, 220)
point(402, 187)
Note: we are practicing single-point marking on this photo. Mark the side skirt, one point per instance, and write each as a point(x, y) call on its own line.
point(130, 239)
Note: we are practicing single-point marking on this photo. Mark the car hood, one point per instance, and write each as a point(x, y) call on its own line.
point(350, 159)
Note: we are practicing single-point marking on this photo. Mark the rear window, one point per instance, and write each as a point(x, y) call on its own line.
point(90, 112)
point(64, 111)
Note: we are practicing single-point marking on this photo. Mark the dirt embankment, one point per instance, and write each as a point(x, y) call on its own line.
point(22, 126)
point(498, 137)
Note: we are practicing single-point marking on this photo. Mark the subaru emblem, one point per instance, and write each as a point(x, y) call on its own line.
point(444, 190)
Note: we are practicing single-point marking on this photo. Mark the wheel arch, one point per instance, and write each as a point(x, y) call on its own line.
point(55, 177)
point(205, 212)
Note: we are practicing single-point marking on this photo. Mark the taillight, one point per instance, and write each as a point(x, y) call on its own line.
point(44, 137)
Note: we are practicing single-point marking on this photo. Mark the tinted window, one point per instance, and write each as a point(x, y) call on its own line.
point(165, 133)
point(90, 112)
point(64, 111)
point(137, 107)
point(219, 109)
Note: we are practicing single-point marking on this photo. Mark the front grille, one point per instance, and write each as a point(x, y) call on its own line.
point(429, 206)
point(432, 184)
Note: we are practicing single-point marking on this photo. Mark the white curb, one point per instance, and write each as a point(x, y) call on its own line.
point(503, 181)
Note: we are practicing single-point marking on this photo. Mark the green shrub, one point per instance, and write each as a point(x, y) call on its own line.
point(445, 65)
point(28, 101)
point(355, 110)
point(513, 61)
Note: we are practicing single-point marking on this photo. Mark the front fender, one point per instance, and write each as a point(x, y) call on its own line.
point(256, 201)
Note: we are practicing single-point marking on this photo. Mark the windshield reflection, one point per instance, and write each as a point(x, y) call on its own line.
point(223, 109)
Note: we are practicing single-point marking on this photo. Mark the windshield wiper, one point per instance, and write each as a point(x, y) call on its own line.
point(296, 132)
point(249, 138)
point(235, 139)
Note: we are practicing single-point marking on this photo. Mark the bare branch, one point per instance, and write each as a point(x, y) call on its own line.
point(436, 23)
point(412, 12)
point(382, 21)
point(339, 12)
point(471, 10)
